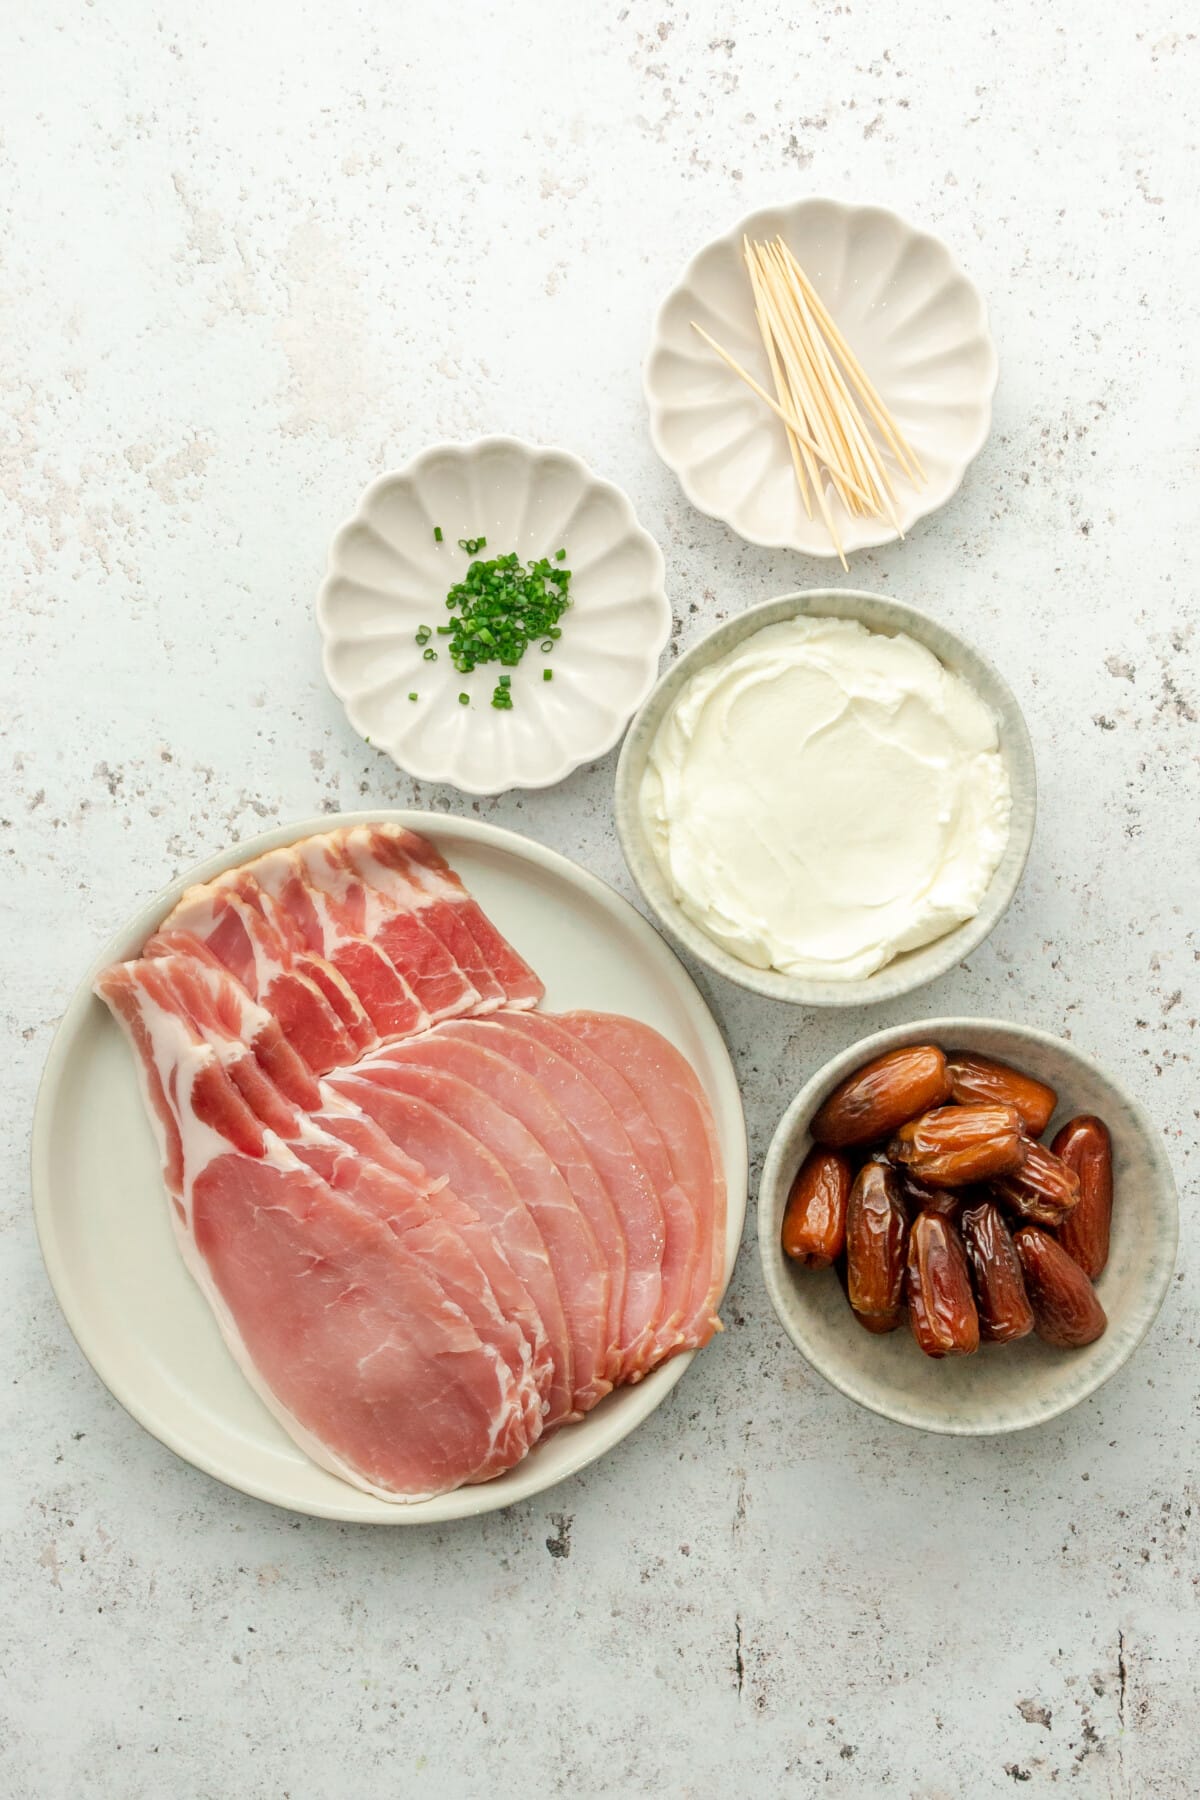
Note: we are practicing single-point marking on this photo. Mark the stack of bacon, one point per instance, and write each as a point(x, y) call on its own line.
point(433, 1223)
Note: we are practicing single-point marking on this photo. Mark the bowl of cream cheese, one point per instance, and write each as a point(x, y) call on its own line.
point(829, 799)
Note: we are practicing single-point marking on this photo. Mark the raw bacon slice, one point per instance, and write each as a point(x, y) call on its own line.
point(221, 922)
point(527, 1101)
point(682, 1251)
point(580, 1131)
point(340, 864)
point(351, 938)
point(482, 1183)
point(426, 1231)
point(347, 1150)
point(342, 1120)
point(666, 1084)
point(456, 918)
point(298, 955)
point(347, 1335)
point(386, 996)
point(353, 1344)
point(582, 1276)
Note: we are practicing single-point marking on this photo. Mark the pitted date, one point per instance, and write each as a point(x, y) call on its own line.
point(876, 1237)
point(955, 1146)
point(977, 1080)
point(1005, 1314)
point(814, 1223)
point(882, 1095)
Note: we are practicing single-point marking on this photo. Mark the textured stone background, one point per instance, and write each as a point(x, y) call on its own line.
point(251, 256)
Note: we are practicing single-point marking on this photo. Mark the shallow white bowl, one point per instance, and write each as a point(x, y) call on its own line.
point(1003, 1387)
point(913, 318)
point(914, 967)
point(102, 1212)
point(387, 576)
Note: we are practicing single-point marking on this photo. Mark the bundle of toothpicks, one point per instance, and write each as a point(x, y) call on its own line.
point(836, 422)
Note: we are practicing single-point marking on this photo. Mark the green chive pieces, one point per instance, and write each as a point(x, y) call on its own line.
point(498, 610)
point(414, 696)
point(437, 534)
point(547, 674)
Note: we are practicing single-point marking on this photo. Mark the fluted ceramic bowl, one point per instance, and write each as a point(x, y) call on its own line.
point(388, 575)
point(1002, 1387)
point(912, 317)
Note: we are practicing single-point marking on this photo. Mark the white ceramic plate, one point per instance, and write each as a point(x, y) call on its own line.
point(1003, 1387)
point(102, 1213)
point(387, 576)
point(913, 968)
point(910, 314)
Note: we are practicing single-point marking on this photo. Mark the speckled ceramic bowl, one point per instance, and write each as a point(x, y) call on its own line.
point(1003, 1387)
point(915, 967)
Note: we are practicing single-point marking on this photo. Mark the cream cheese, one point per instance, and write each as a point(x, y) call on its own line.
point(825, 797)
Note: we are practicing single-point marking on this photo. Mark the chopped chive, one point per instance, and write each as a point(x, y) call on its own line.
point(414, 696)
point(499, 610)
point(464, 699)
point(431, 656)
point(547, 674)
point(437, 534)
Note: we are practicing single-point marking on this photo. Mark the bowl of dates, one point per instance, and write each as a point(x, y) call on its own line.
point(966, 1225)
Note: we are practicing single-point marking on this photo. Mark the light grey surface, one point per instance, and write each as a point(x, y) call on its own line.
point(252, 256)
point(1007, 1387)
point(914, 968)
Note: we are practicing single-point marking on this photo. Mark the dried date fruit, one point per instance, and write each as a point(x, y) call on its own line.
point(954, 1146)
point(1043, 1190)
point(877, 1098)
point(1000, 1298)
point(1085, 1146)
point(977, 1080)
point(881, 1323)
point(941, 1306)
point(814, 1223)
point(876, 1233)
point(1066, 1311)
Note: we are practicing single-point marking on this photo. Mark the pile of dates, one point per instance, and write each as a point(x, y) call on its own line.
point(929, 1188)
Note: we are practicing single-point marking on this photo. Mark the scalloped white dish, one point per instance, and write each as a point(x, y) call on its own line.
point(914, 320)
point(388, 575)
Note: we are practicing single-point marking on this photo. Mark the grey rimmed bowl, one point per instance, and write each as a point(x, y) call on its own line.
point(913, 968)
point(1003, 1387)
